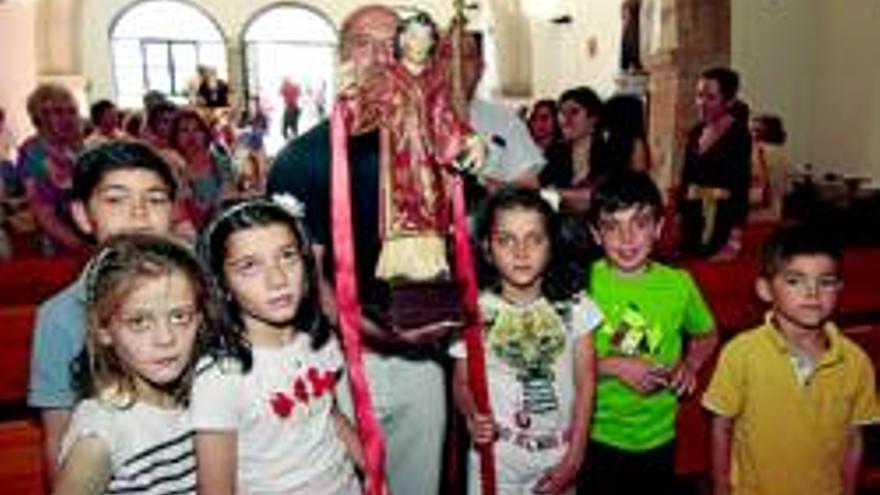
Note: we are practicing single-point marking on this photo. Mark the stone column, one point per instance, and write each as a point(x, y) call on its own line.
point(57, 45)
point(235, 67)
point(687, 37)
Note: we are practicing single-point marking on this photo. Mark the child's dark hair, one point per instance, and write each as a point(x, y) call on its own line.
point(797, 240)
point(93, 165)
point(624, 189)
point(118, 269)
point(241, 214)
point(558, 282)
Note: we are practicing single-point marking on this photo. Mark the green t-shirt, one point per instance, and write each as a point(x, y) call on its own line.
point(645, 315)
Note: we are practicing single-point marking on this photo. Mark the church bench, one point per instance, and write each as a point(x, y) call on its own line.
point(32, 280)
point(729, 289)
point(16, 331)
point(21, 462)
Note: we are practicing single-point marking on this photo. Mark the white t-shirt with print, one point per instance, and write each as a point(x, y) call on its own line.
point(530, 359)
point(281, 411)
point(151, 449)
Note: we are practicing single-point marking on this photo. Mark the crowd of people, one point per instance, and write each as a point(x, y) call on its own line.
point(200, 349)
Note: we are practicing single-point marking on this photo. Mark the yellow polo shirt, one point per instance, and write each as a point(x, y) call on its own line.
point(789, 438)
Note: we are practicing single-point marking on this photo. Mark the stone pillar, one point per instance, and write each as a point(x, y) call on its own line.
point(57, 44)
point(235, 68)
point(688, 36)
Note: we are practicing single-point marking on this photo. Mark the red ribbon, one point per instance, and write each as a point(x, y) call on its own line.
point(349, 305)
point(473, 333)
point(350, 311)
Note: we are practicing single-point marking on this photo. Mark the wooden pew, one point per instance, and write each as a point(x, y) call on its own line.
point(21, 460)
point(32, 280)
point(868, 337)
point(16, 332)
point(729, 290)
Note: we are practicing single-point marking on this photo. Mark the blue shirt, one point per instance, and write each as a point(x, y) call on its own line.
point(59, 336)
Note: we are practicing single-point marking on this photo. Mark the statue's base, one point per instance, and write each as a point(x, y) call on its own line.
point(432, 308)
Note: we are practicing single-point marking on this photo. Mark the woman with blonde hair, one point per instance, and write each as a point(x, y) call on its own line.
point(45, 164)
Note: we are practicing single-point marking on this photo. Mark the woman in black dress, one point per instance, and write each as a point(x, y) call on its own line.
point(575, 163)
point(713, 199)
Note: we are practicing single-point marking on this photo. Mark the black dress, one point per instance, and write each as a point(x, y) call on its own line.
point(559, 170)
point(725, 166)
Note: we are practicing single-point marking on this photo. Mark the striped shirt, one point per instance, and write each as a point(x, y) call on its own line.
point(151, 449)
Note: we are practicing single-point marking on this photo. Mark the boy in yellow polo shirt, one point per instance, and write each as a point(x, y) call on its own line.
point(790, 396)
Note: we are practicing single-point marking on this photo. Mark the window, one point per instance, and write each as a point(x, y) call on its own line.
point(150, 53)
point(293, 43)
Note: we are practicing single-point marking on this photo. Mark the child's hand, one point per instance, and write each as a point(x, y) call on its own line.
point(560, 477)
point(641, 375)
point(683, 379)
point(481, 428)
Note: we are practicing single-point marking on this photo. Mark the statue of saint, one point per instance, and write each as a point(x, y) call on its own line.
point(423, 143)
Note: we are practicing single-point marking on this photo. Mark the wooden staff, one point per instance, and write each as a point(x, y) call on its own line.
point(456, 33)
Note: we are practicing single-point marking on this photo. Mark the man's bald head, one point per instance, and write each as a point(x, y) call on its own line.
point(367, 31)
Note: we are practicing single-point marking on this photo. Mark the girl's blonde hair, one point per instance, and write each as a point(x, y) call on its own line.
point(118, 269)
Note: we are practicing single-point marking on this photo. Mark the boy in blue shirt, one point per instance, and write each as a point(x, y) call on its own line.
point(651, 311)
point(118, 187)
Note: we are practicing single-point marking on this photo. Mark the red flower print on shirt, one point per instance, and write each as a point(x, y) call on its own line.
point(321, 383)
point(282, 405)
point(299, 390)
point(315, 385)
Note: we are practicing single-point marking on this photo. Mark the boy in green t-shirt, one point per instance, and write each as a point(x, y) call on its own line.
point(650, 308)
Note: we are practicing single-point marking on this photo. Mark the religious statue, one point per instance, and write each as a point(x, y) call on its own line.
point(423, 144)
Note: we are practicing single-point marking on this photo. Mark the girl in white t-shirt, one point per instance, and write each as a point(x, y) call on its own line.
point(147, 307)
point(267, 422)
point(539, 354)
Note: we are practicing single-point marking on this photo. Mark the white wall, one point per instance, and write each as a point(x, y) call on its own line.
point(847, 109)
point(18, 57)
point(817, 64)
point(773, 46)
point(231, 15)
point(561, 57)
